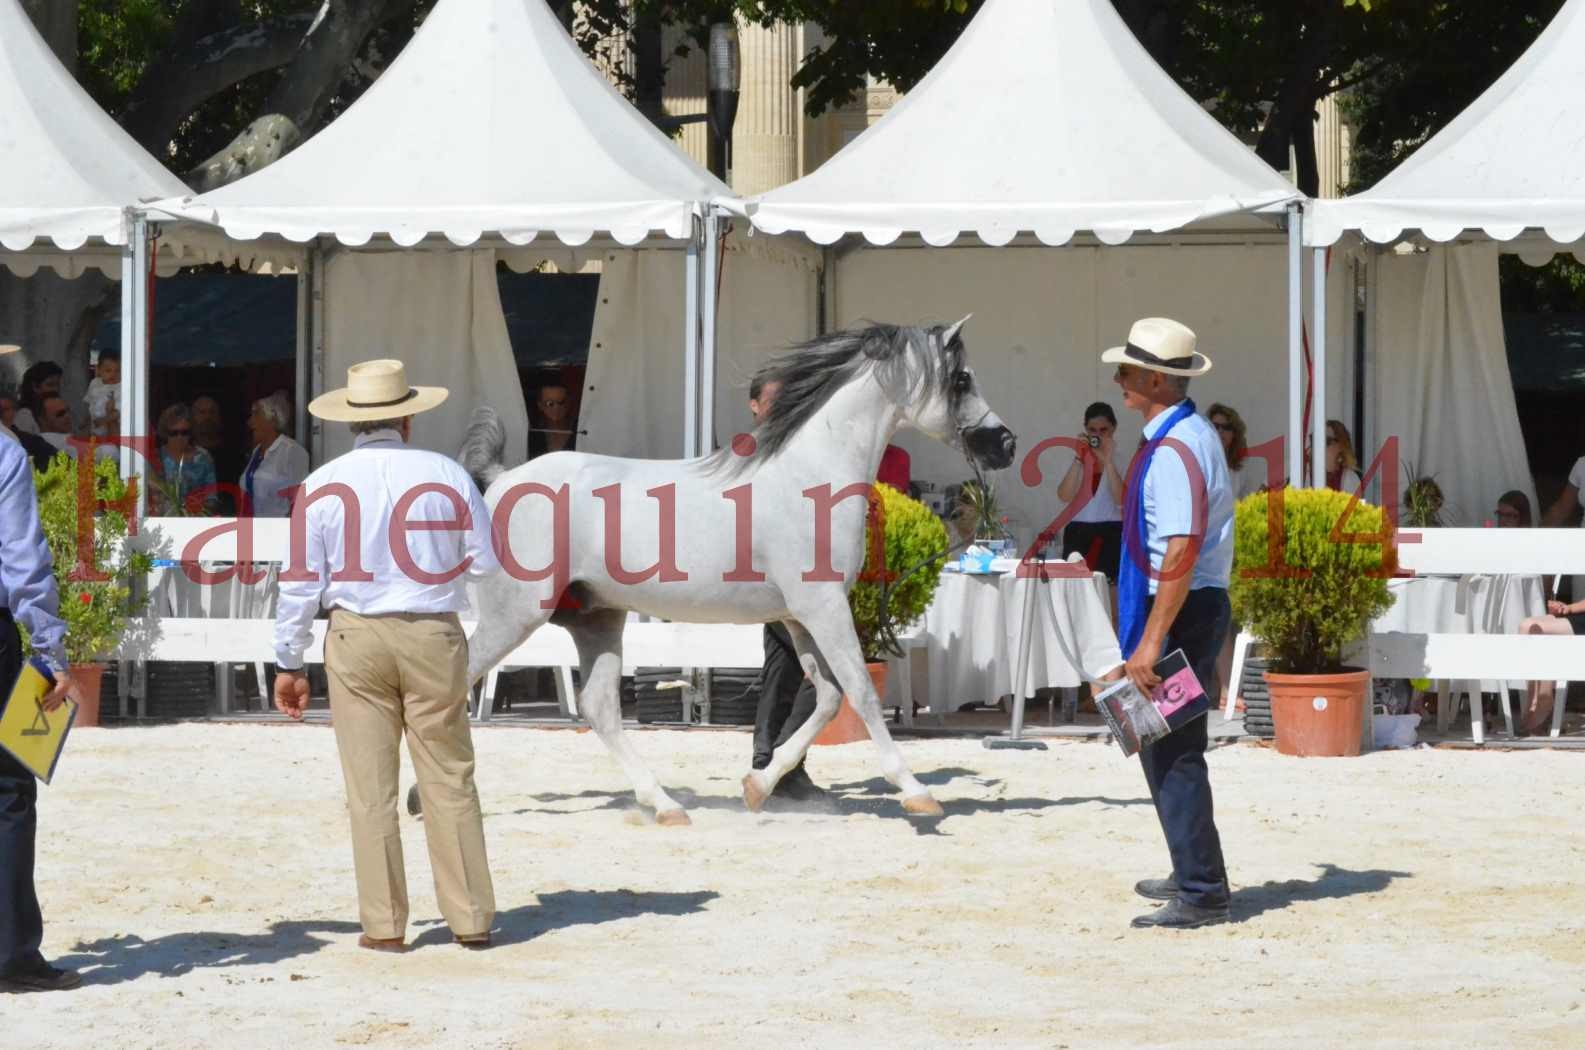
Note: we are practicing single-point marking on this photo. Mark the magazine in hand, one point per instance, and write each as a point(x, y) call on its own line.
point(1137, 720)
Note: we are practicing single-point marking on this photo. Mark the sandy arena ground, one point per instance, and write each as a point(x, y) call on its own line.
point(200, 877)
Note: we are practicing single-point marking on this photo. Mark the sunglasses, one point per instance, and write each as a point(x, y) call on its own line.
point(183, 432)
point(1226, 428)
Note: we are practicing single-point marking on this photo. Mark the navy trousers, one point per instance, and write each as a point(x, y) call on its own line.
point(21, 925)
point(786, 697)
point(1180, 785)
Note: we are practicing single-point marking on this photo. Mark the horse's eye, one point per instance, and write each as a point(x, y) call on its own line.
point(962, 382)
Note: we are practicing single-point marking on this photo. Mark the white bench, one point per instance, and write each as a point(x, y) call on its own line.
point(1448, 658)
point(249, 640)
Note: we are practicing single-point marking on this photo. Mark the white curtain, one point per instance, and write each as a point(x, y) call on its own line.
point(440, 314)
point(1042, 316)
point(1441, 379)
point(633, 390)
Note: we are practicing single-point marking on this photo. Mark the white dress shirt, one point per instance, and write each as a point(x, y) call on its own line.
point(380, 471)
point(269, 482)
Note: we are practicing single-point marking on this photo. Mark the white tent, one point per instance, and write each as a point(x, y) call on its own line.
point(1510, 168)
point(491, 126)
point(1046, 117)
point(70, 171)
point(1513, 161)
point(1047, 124)
point(68, 177)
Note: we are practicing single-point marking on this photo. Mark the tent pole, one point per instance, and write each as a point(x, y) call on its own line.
point(1318, 354)
point(1370, 435)
point(135, 349)
point(712, 270)
point(690, 357)
point(125, 402)
point(1295, 346)
point(305, 339)
point(315, 374)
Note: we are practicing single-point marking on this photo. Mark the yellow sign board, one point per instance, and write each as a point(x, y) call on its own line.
point(35, 737)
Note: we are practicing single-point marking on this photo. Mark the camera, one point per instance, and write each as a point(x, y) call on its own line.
point(1095, 442)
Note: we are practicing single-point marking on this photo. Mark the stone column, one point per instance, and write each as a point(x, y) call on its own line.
point(765, 137)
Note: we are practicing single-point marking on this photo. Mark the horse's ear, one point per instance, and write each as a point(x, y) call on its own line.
point(952, 333)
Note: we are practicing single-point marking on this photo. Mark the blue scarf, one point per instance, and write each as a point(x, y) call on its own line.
point(1133, 582)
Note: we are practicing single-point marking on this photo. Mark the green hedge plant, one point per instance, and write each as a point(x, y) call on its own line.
point(1306, 590)
point(95, 611)
point(887, 603)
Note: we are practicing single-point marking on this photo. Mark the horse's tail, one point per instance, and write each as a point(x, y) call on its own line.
point(484, 448)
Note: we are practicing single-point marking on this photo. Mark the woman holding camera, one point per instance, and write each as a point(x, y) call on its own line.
point(1096, 531)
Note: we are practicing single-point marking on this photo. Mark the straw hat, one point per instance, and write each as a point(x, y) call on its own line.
point(1161, 345)
point(376, 390)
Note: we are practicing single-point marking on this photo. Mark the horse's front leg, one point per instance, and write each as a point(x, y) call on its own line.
point(829, 626)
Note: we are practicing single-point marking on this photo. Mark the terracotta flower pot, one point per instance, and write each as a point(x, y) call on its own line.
point(1318, 715)
point(847, 727)
point(88, 679)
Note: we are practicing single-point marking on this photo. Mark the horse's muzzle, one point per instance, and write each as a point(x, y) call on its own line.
point(992, 447)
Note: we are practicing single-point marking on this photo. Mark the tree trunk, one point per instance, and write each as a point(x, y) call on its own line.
point(307, 85)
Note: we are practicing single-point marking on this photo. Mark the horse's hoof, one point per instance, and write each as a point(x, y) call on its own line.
point(415, 806)
point(923, 806)
point(672, 818)
point(754, 794)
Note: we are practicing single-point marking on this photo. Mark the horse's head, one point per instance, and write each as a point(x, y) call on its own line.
point(953, 410)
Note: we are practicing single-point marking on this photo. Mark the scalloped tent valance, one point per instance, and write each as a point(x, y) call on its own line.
point(1046, 117)
point(490, 123)
point(1513, 161)
point(69, 170)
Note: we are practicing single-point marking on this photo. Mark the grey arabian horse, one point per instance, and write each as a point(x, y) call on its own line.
point(770, 529)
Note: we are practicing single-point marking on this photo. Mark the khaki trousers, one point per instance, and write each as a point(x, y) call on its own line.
point(390, 674)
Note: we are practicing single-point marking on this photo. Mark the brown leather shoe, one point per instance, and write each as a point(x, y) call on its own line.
point(381, 944)
point(474, 941)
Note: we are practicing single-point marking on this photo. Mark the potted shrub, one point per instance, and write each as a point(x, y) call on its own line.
point(887, 600)
point(1307, 591)
point(95, 611)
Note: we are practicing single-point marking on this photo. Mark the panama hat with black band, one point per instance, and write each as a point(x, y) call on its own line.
point(376, 390)
point(1160, 345)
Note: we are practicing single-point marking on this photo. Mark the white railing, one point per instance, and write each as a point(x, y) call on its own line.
point(249, 640)
point(1470, 658)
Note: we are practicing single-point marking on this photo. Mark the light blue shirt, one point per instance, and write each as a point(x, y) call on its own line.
point(1170, 499)
point(27, 577)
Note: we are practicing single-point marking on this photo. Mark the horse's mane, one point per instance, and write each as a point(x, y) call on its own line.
point(810, 373)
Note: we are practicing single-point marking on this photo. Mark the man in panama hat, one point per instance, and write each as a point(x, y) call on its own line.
point(392, 533)
point(1172, 594)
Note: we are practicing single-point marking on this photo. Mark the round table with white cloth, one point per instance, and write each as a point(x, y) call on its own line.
point(1476, 604)
point(971, 630)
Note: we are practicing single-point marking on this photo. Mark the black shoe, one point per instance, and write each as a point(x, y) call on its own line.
point(1177, 915)
point(1157, 889)
point(415, 806)
point(45, 978)
point(797, 786)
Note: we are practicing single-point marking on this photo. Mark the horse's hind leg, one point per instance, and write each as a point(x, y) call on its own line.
point(598, 636)
point(830, 628)
point(508, 612)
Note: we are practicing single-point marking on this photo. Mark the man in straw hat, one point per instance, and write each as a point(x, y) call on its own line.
point(1172, 594)
point(394, 649)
